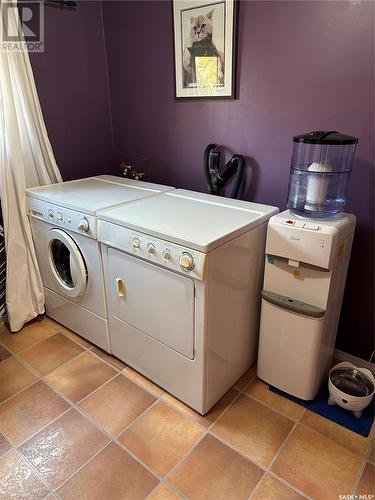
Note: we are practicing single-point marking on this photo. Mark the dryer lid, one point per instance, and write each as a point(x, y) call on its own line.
point(195, 220)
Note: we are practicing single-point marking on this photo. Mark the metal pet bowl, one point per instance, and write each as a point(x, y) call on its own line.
point(350, 387)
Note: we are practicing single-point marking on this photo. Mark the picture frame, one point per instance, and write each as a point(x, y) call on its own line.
point(204, 47)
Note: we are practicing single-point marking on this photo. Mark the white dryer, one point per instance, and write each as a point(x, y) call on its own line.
point(64, 226)
point(183, 273)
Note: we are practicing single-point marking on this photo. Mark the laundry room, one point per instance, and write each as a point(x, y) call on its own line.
point(187, 249)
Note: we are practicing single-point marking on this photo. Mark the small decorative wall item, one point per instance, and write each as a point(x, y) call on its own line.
point(204, 33)
point(130, 172)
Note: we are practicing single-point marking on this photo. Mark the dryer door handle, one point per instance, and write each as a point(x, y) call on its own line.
point(121, 290)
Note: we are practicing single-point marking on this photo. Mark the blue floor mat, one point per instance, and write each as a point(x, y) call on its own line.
point(335, 413)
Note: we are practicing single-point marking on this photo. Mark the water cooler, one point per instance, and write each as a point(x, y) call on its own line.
point(307, 256)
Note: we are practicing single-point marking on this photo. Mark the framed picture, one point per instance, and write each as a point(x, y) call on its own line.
point(204, 34)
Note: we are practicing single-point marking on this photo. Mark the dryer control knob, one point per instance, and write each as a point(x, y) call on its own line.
point(83, 225)
point(59, 216)
point(136, 243)
point(50, 213)
point(187, 261)
point(151, 249)
point(167, 255)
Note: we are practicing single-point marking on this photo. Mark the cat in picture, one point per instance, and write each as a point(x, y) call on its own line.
point(200, 44)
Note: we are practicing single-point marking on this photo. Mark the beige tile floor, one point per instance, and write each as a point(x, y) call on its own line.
point(76, 423)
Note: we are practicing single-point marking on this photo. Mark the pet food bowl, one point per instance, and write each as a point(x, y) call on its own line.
point(350, 387)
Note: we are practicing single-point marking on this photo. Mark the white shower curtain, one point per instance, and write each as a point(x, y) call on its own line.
point(26, 160)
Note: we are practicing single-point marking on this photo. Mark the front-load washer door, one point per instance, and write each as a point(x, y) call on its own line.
point(66, 263)
point(153, 300)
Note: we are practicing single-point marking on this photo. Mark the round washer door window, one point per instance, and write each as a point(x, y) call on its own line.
point(66, 263)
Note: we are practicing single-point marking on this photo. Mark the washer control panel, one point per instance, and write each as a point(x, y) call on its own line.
point(62, 217)
point(161, 252)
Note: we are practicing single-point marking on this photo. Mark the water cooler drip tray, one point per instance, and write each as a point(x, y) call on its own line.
point(293, 305)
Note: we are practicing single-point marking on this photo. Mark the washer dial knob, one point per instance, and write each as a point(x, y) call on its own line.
point(167, 255)
point(59, 216)
point(83, 225)
point(136, 243)
point(186, 261)
point(151, 249)
point(50, 213)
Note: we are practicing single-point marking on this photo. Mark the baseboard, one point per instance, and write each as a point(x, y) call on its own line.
point(344, 356)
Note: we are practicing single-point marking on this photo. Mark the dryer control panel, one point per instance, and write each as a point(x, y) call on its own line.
point(156, 250)
point(62, 217)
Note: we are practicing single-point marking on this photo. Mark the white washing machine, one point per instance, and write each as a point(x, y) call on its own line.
point(183, 273)
point(64, 226)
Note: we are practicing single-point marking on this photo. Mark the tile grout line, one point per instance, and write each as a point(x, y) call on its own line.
point(19, 392)
point(12, 447)
point(137, 459)
point(91, 351)
point(189, 417)
point(261, 466)
point(278, 453)
point(168, 475)
point(244, 388)
point(148, 389)
point(6, 359)
point(53, 333)
point(363, 457)
point(82, 400)
point(238, 450)
point(291, 486)
point(33, 344)
point(23, 456)
point(167, 485)
point(93, 422)
point(230, 404)
point(40, 376)
point(312, 429)
point(256, 486)
point(119, 434)
point(265, 469)
point(40, 430)
point(97, 425)
point(78, 409)
point(185, 415)
point(283, 444)
point(206, 431)
point(84, 415)
point(292, 419)
point(36, 473)
point(359, 477)
point(159, 398)
point(62, 332)
point(60, 486)
point(16, 354)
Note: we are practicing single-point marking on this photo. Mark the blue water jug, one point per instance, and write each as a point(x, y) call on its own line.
point(319, 173)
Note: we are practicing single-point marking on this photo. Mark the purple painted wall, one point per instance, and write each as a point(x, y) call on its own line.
point(72, 81)
point(301, 66)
